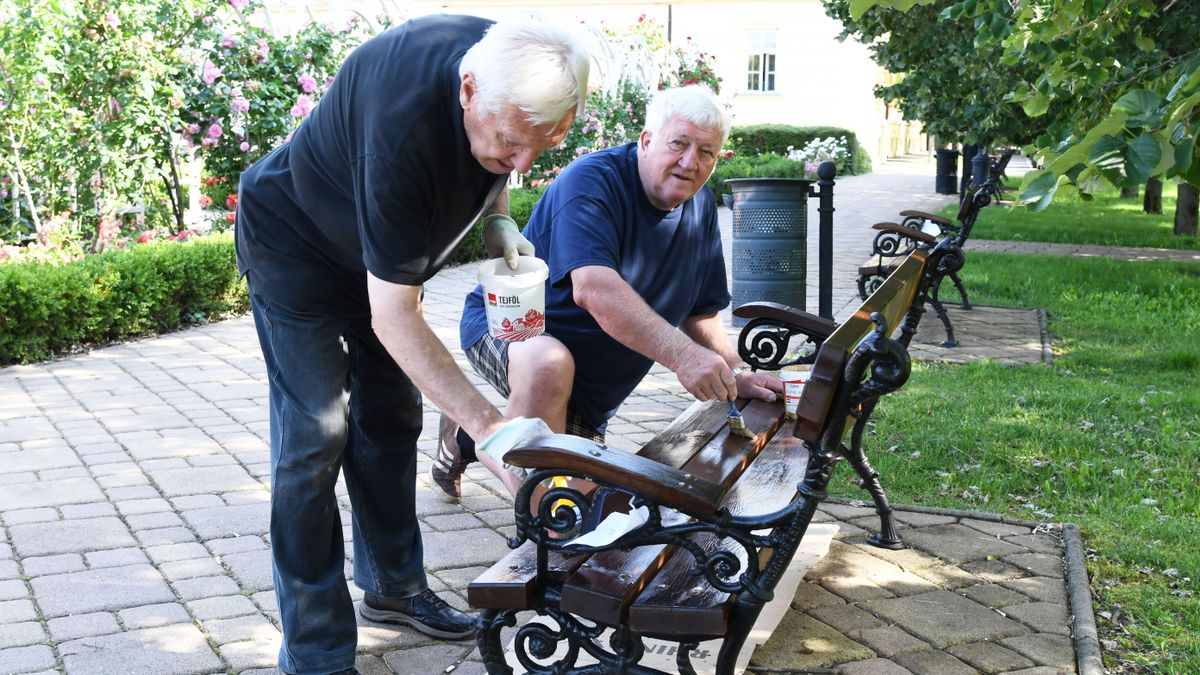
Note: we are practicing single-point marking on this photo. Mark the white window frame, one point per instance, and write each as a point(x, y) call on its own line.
point(761, 61)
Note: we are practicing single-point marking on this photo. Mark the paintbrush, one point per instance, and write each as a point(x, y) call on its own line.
point(737, 424)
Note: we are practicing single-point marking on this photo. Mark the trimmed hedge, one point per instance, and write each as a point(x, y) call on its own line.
point(768, 165)
point(46, 310)
point(758, 139)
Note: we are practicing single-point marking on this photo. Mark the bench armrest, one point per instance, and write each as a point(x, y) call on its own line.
point(905, 231)
point(809, 324)
point(925, 215)
point(664, 485)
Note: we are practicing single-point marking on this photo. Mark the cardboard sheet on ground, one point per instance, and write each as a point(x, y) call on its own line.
point(660, 654)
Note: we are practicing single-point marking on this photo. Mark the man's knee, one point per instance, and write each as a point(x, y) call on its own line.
point(541, 364)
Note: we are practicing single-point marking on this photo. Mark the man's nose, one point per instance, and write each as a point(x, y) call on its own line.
point(688, 159)
point(522, 160)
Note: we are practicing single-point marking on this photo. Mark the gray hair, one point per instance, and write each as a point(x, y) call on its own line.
point(532, 64)
point(694, 103)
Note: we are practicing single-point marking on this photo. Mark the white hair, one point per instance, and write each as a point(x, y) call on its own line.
point(695, 103)
point(532, 64)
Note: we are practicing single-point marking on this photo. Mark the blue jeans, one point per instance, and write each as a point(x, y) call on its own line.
point(338, 401)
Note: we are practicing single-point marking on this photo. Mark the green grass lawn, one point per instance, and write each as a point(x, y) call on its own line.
point(1108, 437)
point(1106, 220)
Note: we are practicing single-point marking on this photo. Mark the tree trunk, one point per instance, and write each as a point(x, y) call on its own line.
point(1186, 206)
point(1130, 192)
point(1152, 202)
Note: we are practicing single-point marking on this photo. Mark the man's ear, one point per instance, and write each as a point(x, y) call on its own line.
point(644, 140)
point(467, 90)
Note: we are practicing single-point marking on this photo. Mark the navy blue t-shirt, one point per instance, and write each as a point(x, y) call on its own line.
point(596, 213)
point(378, 177)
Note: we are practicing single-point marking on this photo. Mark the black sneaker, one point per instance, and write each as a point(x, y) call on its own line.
point(425, 612)
point(449, 464)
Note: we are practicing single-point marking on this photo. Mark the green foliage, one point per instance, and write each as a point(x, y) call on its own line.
point(255, 87)
point(48, 309)
point(89, 94)
point(768, 165)
point(101, 100)
point(955, 86)
point(1115, 85)
point(757, 139)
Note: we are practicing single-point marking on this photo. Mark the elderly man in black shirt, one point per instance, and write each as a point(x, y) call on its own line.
point(337, 230)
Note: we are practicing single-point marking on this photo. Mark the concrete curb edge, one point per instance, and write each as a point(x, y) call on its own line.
point(1083, 623)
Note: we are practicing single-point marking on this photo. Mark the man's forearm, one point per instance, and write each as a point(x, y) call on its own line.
point(626, 317)
point(401, 327)
point(708, 330)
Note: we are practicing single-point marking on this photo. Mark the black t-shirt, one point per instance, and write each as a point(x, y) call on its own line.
point(378, 177)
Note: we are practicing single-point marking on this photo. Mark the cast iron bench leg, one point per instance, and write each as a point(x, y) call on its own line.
point(938, 307)
point(966, 302)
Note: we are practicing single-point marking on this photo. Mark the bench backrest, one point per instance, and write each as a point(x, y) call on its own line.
point(893, 300)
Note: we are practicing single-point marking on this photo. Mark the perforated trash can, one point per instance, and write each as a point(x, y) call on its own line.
point(770, 240)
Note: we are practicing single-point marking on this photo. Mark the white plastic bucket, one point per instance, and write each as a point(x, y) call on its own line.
point(514, 300)
point(794, 380)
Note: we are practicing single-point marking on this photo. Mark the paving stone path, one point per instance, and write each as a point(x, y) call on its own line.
point(134, 487)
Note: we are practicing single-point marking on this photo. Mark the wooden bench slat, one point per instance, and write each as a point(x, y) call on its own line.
point(511, 582)
point(692, 430)
point(603, 589)
point(676, 602)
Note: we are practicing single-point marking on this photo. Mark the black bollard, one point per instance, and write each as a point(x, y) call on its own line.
point(825, 174)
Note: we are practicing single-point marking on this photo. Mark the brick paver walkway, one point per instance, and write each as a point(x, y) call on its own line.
point(134, 484)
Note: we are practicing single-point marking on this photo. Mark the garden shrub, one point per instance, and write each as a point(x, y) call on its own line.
point(760, 139)
point(48, 309)
point(768, 165)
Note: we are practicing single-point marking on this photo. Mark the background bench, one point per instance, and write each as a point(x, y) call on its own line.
point(919, 229)
point(726, 514)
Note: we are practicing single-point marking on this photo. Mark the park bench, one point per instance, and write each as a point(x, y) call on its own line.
point(725, 514)
point(922, 229)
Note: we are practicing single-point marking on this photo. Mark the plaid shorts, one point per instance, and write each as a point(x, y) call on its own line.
point(489, 357)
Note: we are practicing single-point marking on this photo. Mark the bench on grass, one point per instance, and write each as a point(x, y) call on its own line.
point(920, 229)
point(725, 514)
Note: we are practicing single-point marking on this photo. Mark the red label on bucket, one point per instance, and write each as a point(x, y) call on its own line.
point(522, 328)
point(492, 299)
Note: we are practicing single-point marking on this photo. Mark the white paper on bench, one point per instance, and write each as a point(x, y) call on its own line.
point(660, 654)
point(615, 525)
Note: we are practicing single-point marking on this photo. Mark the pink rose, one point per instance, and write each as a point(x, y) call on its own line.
point(211, 72)
point(239, 105)
point(244, 147)
point(302, 107)
point(239, 5)
point(205, 201)
point(214, 131)
point(228, 41)
point(307, 83)
point(193, 129)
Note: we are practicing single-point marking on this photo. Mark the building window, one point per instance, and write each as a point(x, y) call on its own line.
point(760, 70)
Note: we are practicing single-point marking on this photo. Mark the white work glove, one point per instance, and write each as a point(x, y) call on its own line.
point(517, 431)
point(502, 239)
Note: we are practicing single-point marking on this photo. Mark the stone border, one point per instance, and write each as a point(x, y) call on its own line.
point(1083, 625)
point(1079, 590)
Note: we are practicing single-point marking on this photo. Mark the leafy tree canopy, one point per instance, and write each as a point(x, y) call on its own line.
point(1115, 84)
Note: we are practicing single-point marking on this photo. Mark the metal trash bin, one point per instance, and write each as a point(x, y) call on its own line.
point(770, 240)
point(946, 182)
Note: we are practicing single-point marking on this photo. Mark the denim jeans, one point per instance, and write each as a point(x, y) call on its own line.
point(338, 401)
